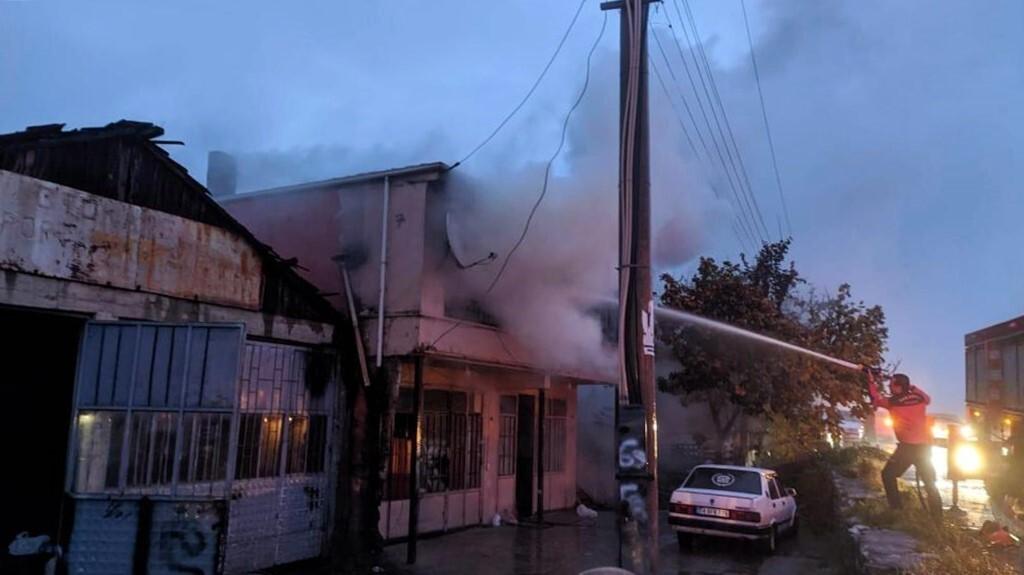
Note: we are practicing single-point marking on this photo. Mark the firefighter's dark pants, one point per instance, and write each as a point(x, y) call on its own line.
point(920, 456)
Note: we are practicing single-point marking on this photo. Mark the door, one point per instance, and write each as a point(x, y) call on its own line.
point(38, 353)
point(524, 457)
point(154, 421)
point(782, 511)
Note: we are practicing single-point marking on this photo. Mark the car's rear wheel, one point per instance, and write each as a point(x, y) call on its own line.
point(685, 540)
point(769, 543)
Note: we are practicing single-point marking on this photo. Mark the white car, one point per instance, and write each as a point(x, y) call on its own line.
point(735, 502)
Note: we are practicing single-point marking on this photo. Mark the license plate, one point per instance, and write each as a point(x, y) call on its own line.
point(711, 511)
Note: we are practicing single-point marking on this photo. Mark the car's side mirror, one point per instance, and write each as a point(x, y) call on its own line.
point(791, 492)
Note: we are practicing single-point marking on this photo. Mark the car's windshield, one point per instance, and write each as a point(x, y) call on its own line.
point(721, 479)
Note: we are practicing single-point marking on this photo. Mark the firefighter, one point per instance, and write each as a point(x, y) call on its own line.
point(907, 407)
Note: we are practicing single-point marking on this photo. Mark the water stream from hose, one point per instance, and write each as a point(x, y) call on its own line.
point(731, 329)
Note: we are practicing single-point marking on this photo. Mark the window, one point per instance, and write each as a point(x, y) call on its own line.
point(725, 479)
point(151, 448)
point(307, 436)
point(278, 403)
point(773, 488)
point(451, 452)
point(148, 393)
point(555, 415)
point(507, 436)
point(100, 435)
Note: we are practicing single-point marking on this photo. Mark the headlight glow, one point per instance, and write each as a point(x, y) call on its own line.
point(967, 458)
point(967, 432)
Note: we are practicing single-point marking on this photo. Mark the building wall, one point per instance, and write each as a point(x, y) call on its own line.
point(315, 225)
point(451, 510)
point(59, 232)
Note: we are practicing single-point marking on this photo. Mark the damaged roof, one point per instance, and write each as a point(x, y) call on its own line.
point(124, 161)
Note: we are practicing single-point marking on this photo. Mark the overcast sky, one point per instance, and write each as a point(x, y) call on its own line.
point(897, 124)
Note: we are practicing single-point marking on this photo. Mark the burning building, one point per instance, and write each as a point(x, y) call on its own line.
point(172, 381)
point(497, 425)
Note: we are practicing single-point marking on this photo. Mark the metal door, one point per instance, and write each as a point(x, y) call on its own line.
point(155, 419)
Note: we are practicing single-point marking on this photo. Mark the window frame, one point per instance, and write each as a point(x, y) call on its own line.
point(215, 488)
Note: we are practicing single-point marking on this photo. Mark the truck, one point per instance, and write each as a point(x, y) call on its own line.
point(994, 393)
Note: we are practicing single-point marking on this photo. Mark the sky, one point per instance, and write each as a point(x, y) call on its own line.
point(897, 125)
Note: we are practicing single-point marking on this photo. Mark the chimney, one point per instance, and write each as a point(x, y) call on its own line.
point(221, 174)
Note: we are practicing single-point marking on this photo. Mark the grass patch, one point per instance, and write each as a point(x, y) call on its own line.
point(862, 462)
point(953, 548)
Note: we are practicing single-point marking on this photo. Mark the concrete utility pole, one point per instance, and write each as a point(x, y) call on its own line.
point(636, 419)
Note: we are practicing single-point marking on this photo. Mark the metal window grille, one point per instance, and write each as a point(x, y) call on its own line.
point(507, 436)
point(283, 424)
point(154, 407)
point(307, 436)
point(401, 454)
point(555, 435)
point(451, 453)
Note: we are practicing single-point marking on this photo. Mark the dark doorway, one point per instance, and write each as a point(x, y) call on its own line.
point(37, 352)
point(524, 457)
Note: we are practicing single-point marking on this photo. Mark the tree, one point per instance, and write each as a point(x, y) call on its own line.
point(736, 376)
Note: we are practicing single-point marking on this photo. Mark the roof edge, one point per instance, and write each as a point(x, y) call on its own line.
point(435, 168)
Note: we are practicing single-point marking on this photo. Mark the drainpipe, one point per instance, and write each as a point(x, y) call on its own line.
point(385, 216)
point(540, 453)
point(414, 464)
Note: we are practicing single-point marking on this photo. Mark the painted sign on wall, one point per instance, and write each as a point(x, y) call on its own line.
point(60, 232)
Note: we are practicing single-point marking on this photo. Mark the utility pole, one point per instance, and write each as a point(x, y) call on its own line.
point(636, 420)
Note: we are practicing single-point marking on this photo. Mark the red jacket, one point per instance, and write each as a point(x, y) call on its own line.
point(908, 411)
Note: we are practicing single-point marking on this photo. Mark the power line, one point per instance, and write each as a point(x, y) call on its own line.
point(682, 125)
point(672, 103)
point(547, 177)
point(749, 196)
point(533, 88)
point(747, 214)
point(764, 115)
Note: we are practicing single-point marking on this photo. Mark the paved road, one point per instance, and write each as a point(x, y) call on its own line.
point(570, 545)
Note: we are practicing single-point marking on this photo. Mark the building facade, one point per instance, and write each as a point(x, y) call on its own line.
point(173, 380)
point(497, 429)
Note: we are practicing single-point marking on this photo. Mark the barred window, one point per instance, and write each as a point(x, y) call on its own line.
point(451, 453)
point(259, 445)
point(307, 438)
point(277, 403)
point(555, 435)
point(507, 436)
point(148, 393)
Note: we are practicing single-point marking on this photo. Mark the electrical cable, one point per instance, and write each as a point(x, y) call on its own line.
point(745, 216)
point(529, 93)
point(764, 116)
point(714, 87)
point(682, 125)
point(744, 205)
point(547, 176)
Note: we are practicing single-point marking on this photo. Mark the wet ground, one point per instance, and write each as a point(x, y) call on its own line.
point(568, 545)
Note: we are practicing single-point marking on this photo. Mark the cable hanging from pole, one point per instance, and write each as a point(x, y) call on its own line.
point(529, 93)
point(544, 185)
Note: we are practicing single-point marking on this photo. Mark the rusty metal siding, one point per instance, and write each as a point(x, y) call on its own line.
point(118, 161)
point(59, 232)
